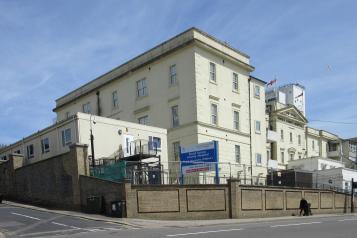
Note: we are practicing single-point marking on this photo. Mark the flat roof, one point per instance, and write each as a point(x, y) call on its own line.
point(189, 36)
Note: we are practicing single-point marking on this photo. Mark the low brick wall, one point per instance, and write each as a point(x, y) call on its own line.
point(178, 202)
point(258, 201)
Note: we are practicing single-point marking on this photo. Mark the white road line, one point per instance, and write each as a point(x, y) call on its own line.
point(350, 219)
point(48, 232)
point(18, 214)
point(59, 224)
point(112, 229)
point(203, 232)
point(296, 224)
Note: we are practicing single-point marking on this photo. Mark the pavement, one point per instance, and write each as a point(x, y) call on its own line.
point(19, 220)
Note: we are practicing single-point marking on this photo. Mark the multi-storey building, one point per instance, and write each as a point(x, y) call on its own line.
point(349, 152)
point(288, 136)
point(197, 87)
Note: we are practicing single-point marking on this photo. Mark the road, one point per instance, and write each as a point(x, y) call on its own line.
point(21, 222)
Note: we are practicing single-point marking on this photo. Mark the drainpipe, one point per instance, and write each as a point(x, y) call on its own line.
point(98, 103)
point(250, 132)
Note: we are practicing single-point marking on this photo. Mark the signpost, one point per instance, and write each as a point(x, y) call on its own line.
point(199, 158)
point(354, 185)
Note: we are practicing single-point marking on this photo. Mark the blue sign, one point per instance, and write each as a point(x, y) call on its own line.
point(199, 158)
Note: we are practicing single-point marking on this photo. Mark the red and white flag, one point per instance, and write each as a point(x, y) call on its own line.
point(271, 82)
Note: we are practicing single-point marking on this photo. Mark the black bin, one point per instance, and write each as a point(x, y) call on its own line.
point(94, 204)
point(118, 209)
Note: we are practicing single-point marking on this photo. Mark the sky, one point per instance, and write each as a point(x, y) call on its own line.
point(48, 48)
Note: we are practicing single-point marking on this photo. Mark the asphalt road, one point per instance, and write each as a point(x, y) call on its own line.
point(328, 227)
point(21, 222)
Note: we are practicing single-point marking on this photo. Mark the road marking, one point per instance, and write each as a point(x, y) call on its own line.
point(350, 219)
point(112, 229)
point(18, 214)
point(59, 224)
point(48, 232)
point(296, 224)
point(203, 232)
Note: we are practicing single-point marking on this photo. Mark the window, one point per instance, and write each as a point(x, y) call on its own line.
point(67, 115)
point(291, 137)
point(257, 91)
point(141, 88)
point(236, 120)
point(258, 158)
point(214, 116)
point(235, 82)
point(143, 120)
point(268, 154)
point(18, 152)
point(176, 150)
point(45, 146)
point(291, 157)
point(332, 147)
point(175, 117)
point(313, 144)
point(86, 108)
point(257, 126)
point(30, 151)
point(3, 158)
point(282, 135)
point(237, 153)
point(154, 143)
point(299, 139)
point(66, 137)
point(282, 155)
point(212, 72)
point(115, 100)
point(173, 75)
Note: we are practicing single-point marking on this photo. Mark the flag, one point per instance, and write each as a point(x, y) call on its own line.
point(271, 82)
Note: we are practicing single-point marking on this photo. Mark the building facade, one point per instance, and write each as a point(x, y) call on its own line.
point(289, 137)
point(112, 138)
point(197, 87)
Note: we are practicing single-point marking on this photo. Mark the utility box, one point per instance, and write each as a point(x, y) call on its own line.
point(94, 204)
point(118, 209)
point(290, 178)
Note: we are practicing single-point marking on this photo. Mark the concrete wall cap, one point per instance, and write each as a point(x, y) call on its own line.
point(78, 145)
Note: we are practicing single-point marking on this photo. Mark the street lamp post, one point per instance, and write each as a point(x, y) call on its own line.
point(92, 140)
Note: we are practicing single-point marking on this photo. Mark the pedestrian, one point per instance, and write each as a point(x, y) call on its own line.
point(304, 207)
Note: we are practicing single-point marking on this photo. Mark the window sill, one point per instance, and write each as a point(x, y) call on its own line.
point(174, 85)
point(235, 91)
point(258, 132)
point(213, 82)
point(141, 97)
point(257, 97)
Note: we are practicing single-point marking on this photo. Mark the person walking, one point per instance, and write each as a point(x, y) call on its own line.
point(304, 207)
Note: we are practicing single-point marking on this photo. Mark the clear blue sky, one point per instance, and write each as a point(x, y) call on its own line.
point(48, 48)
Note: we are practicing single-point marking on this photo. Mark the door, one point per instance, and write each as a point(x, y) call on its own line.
point(128, 146)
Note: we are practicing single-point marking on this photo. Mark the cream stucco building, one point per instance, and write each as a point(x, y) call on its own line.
point(288, 135)
point(110, 139)
point(197, 87)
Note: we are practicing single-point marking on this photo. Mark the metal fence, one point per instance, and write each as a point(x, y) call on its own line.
point(154, 172)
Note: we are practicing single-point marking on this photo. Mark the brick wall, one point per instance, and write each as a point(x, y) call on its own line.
point(52, 182)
